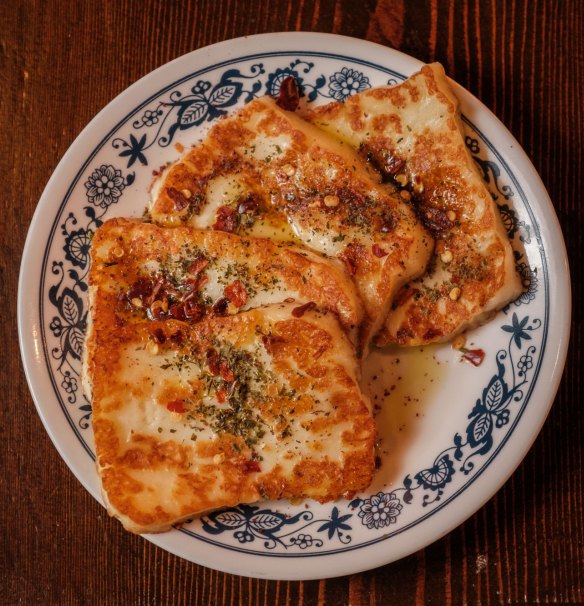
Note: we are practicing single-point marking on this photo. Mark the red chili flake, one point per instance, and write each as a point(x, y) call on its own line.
point(270, 340)
point(248, 204)
point(349, 264)
point(193, 311)
point(177, 312)
point(226, 372)
point(236, 293)
point(226, 219)
point(250, 466)
point(298, 312)
point(176, 406)
point(378, 251)
point(474, 356)
point(213, 362)
point(141, 289)
point(289, 96)
point(221, 394)
point(198, 265)
point(220, 306)
point(435, 220)
point(159, 336)
point(180, 200)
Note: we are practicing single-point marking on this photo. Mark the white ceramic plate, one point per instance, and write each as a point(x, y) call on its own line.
point(453, 433)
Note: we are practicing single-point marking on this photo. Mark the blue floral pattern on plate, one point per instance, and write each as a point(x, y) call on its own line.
point(137, 144)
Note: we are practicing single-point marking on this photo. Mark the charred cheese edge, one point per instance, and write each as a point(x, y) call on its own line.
point(189, 418)
point(187, 274)
point(264, 171)
point(412, 133)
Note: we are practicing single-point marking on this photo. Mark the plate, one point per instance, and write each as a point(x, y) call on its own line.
point(451, 433)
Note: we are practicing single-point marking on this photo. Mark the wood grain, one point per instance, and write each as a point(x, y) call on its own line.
point(60, 63)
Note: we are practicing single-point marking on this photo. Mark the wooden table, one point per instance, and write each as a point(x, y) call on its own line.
point(61, 62)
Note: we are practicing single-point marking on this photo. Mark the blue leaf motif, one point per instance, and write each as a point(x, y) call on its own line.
point(480, 429)
point(266, 521)
point(493, 395)
point(225, 95)
point(194, 112)
point(70, 307)
point(231, 519)
point(76, 339)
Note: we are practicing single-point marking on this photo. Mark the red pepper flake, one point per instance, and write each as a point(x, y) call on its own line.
point(250, 466)
point(236, 293)
point(474, 356)
point(193, 311)
point(270, 340)
point(226, 219)
point(197, 266)
point(289, 95)
point(159, 336)
point(378, 251)
point(226, 372)
point(220, 306)
point(180, 200)
point(298, 312)
point(221, 394)
point(176, 406)
point(213, 362)
point(247, 204)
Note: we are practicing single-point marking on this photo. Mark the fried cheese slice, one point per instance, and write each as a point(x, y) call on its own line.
point(412, 133)
point(189, 418)
point(264, 171)
point(188, 274)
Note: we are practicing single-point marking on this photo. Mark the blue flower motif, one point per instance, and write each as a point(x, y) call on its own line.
point(381, 510)
point(77, 246)
point(347, 82)
point(336, 523)
point(303, 541)
point(529, 280)
point(275, 79)
point(201, 87)
point(104, 186)
point(69, 383)
point(150, 117)
point(517, 330)
point(243, 536)
point(134, 151)
point(525, 363)
point(472, 144)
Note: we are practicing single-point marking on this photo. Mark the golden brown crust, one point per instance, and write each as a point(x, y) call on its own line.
point(193, 416)
point(413, 135)
point(294, 175)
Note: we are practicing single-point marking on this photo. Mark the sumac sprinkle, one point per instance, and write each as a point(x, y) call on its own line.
point(180, 200)
point(474, 356)
point(289, 96)
point(176, 406)
point(250, 466)
point(378, 251)
point(236, 293)
point(298, 312)
point(226, 219)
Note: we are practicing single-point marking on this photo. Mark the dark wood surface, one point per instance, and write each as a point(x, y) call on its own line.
point(60, 63)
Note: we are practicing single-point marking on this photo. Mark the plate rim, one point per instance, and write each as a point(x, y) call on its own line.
point(550, 227)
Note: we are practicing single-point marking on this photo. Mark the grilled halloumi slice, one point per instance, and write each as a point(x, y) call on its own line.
point(413, 135)
point(189, 418)
point(264, 171)
point(189, 274)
